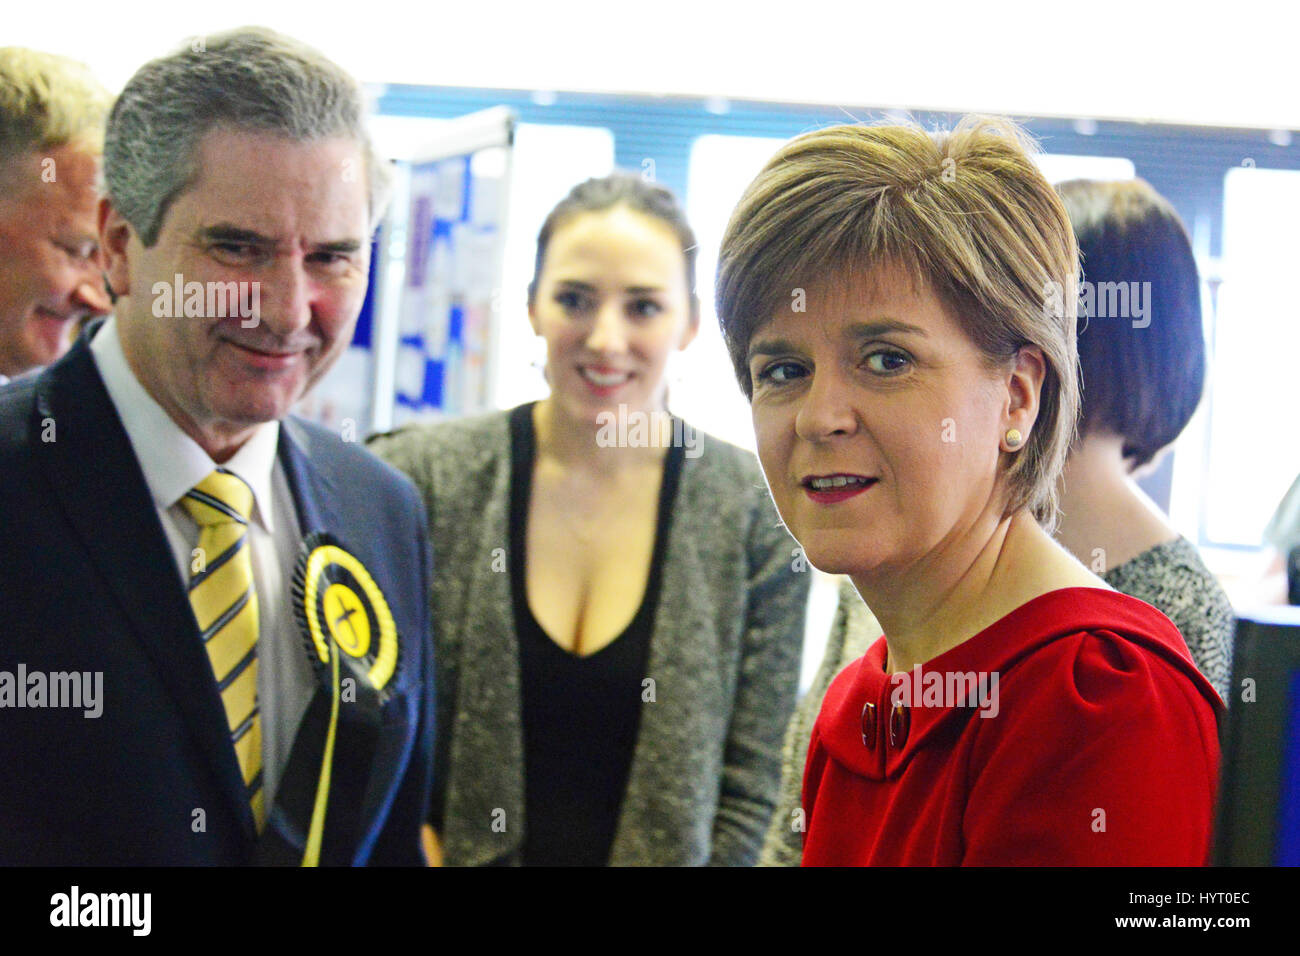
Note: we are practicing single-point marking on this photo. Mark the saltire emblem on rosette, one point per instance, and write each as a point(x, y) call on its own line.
point(351, 639)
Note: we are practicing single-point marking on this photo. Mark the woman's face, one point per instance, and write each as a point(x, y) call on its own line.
point(879, 425)
point(612, 305)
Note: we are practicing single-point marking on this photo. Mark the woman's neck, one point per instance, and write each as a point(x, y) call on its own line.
point(605, 446)
point(958, 590)
point(1106, 519)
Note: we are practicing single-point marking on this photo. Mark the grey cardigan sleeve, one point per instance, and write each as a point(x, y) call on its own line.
point(413, 452)
point(852, 632)
point(771, 649)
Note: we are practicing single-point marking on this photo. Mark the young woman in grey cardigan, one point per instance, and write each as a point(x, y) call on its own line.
point(567, 733)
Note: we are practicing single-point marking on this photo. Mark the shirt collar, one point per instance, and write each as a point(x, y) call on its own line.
point(172, 461)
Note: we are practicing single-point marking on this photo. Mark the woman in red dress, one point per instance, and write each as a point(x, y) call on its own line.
point(900, 308)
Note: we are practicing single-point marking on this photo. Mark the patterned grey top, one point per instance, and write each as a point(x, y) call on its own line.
point(723, 659)
point(1171, 577)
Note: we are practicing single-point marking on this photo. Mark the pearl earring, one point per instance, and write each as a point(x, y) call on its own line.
point(1013, 437)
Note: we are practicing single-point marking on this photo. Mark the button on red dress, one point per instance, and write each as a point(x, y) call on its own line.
point(1097, 745)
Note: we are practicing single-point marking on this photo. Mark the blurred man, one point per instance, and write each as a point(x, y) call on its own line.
point(216, 645)
point(51, 273)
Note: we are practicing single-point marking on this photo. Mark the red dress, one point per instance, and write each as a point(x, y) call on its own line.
point(1092, 739)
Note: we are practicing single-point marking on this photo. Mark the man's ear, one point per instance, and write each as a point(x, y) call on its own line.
point(1024, 384)
point(114, 237)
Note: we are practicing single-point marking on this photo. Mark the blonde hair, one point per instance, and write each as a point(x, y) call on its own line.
point(965, 212)
point(48, 101)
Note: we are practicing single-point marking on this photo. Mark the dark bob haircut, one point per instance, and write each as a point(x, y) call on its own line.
point(608, 192)
point(1143, 370)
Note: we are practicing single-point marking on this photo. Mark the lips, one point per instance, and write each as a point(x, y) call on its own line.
point(604, 381)
point(265, 359)
point(837, 486)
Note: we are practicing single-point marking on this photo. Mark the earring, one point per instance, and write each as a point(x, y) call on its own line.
point(1013, 437)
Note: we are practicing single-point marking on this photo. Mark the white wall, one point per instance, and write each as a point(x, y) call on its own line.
point(1222, 64)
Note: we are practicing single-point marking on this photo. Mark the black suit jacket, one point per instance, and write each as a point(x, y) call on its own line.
point(88, 583)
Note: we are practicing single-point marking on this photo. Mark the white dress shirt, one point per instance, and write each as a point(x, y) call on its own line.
point(173, 463)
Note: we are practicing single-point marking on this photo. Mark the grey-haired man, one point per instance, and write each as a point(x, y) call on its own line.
point(252, 589)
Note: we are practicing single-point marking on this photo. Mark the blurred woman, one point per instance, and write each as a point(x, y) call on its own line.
point(1143, 373)
point(617, 610)
point(900, 309)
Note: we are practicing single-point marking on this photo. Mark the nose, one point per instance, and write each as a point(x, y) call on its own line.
point(608, 332)
point(826, 409)
point(91, 295)
point(282, 297)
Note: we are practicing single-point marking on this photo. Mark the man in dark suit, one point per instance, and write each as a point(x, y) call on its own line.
point(216, 642)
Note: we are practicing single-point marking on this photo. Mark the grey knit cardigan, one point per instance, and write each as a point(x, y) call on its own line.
point(854, 630)
point(724, 655)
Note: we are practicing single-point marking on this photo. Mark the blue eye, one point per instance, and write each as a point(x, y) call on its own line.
point(887, 361)
point(779, 373)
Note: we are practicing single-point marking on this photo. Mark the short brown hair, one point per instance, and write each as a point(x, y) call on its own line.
point(966, 212)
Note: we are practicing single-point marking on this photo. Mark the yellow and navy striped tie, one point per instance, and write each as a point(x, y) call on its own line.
point(225, 605)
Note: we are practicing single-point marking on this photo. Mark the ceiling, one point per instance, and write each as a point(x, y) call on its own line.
point(1222, 64)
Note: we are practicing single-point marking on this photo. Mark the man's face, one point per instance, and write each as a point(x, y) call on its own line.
point(51, 272)
point(290, 217)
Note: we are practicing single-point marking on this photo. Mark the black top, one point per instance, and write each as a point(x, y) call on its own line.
point(580, 714)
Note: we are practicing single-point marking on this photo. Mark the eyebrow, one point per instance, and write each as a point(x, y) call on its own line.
point(339, 245)
point(225, 232)
point(866, 330)
point(859, 330)
point(632, 289)
point(771, 347)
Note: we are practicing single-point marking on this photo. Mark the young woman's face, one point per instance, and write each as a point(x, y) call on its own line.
point(879, 425)
point(612, 304)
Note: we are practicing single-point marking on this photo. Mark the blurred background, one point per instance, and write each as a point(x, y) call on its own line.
point(492, 111)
